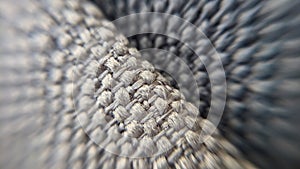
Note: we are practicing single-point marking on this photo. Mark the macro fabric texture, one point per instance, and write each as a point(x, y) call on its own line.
point(77, 93)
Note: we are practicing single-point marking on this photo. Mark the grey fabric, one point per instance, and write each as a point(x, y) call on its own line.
point(74, 94)
point(258, 42)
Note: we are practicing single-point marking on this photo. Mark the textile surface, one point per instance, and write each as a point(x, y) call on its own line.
point(77, 93)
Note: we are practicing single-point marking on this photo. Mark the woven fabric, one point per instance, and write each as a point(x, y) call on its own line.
point(76, 94)
point(257, 42)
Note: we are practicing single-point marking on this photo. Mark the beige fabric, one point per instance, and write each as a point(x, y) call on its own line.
point(63, 59)
point(75, 95)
